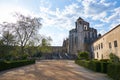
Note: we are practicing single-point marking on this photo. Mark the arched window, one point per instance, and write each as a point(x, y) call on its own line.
point(85, 27)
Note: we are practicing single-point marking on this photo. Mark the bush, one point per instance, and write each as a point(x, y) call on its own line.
point(83, 55)
point(94, 65)
point(114, 71)
point(105, 60)
point(4, 65)
point(113, 58)
point(104, 66)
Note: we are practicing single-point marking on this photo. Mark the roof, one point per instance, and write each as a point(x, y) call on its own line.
point(79, 18)
point(108, 32)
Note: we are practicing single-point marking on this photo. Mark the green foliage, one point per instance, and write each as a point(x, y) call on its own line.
point(114, 71)
point(8, 38)
point(5, 50)
point(25, 28)
point(105, 60)
point(83, 55)
point(4, 65)
point(45, 46)
point(104, 66)
point(94, 65)
point(23, 41)
point(31, 50)
point(113, 57)
point(9, 52)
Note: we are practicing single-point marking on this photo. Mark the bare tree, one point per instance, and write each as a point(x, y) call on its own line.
point(24, 29)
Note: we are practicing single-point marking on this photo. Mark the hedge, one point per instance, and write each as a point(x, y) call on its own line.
point(4, 65)
point(114, 71)
point(94, 65)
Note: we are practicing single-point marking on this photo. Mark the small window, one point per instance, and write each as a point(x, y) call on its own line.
point(85, 27)
point(98, 47)
point(110, 46)
point(80, 22)
point(115, 43)
point(97, 55)
point(101, 45)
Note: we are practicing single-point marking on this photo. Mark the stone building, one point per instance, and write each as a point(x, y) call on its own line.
point(106, 44)
point(81, 38)
point(56, 49)
point(65, 46)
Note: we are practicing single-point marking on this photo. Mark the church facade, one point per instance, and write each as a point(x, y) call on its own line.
point(81, 38)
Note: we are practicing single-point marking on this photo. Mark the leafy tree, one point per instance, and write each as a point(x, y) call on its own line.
point(113, 57)
point(83, 55)
point(7, 38)
point(45, 45)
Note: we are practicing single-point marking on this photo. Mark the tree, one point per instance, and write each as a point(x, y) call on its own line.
point(7, 38)
point(24, 29)
point(83, 55)
point(45, 45)
point(113, 57)
point(6, 44)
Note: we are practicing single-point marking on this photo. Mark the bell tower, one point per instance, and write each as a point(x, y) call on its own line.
point(81, 25)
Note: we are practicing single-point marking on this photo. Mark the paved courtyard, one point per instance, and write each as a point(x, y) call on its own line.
point(52, 70)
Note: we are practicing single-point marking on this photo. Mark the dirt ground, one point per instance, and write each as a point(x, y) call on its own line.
point(52, 70)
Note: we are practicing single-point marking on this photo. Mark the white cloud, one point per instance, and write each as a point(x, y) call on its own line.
point(102, 32)
point(115, 16)
point(96, 9)
point(64, 19)
point(98, 26)
point(7, 12)
point(59, 19)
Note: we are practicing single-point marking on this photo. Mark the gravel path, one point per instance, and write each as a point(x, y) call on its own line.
point(52, 70)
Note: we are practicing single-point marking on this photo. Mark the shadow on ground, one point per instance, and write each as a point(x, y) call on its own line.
point(52, 70)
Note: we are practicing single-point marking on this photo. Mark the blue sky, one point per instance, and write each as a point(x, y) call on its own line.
point(59, 16)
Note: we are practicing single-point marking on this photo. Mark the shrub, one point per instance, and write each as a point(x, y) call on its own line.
point(104, 67)
point(83, 55)
point(94, 65)
point(114, 71)
point(105, 60)
point(4, 65)
point(113, 57)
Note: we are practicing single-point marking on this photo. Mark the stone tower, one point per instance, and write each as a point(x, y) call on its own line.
point(81, 37)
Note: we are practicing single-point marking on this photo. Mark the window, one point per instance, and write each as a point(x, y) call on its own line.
point(80, 22)
point(85, 27)
point(115, 43)
point(97, 55)
point(97, 47)
point(101, 45)
point(110, 46)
